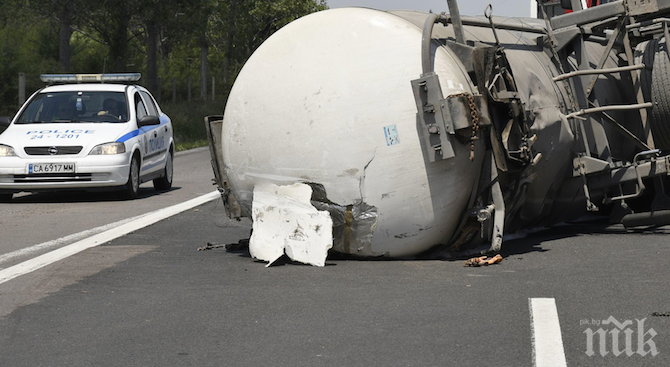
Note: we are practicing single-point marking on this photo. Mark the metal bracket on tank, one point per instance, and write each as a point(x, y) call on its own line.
point(440, 118)
point(435, 121)
point(513, 137)
point(428, 94)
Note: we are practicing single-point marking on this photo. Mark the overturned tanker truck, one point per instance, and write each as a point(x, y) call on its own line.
point(423, 134)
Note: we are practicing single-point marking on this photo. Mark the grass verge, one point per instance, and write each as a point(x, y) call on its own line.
point(188, 121)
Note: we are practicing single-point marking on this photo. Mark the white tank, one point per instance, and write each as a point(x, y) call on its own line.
point(328, 100)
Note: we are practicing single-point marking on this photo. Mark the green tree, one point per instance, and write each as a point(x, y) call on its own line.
point(162, 39)
point(241, 26)
point(116, 25)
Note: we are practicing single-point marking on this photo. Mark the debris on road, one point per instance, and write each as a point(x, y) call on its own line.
point(483, 261)
point(210, 246)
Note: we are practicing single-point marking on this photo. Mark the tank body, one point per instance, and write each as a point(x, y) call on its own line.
point(327, 101)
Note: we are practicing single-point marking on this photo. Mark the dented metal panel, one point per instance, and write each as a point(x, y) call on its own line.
point(213, 127)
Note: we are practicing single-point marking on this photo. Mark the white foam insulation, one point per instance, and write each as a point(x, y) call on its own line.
point(284, 221)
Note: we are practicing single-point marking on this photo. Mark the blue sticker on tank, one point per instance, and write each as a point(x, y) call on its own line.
point(391, 133)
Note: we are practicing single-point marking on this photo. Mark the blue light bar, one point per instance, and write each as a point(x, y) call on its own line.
point(90, 78)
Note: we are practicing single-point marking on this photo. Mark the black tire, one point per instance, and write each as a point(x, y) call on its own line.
point(165, 182)
point(645, 52)
point(132, 188)
point(6, 198)
point(659, 121)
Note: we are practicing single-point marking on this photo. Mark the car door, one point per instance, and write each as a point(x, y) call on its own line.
point(161, 138)
point(145, 133)
point(157, 137)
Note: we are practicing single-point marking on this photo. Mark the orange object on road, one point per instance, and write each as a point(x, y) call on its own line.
point(483, 261)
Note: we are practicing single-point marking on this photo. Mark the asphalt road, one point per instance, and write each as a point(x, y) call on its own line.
point(32, 219)
point(150, 298)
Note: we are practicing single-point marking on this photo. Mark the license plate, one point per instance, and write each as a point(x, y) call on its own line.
point(37, 168)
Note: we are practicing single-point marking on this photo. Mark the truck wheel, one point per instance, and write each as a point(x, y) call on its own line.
point(645, 52)
point(660, 96)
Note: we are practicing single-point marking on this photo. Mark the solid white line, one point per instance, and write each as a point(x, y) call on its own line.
point(104, 237)
point(63, 240)
point(83, 234)
point(546, 333)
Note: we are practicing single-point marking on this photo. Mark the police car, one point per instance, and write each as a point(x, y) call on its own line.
point(98, 131)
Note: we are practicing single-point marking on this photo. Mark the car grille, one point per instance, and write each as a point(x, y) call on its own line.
point(61, 150)
point(53, 177)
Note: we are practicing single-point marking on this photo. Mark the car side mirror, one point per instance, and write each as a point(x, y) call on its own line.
point(149, 120)
point(5, 121)
point(566, 4)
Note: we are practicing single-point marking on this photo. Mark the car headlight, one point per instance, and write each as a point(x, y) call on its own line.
point(108, 148)
point(7, 151)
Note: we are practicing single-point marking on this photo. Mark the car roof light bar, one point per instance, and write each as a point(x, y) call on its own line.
point(90, 78)
point(125, 77)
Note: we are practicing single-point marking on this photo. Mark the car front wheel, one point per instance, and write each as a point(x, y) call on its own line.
point(132, 188)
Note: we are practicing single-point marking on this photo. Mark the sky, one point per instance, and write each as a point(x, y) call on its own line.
point(509, 8)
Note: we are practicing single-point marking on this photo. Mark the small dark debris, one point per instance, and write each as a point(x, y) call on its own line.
point(242, 245)
point(210, 246)
point(661, 314)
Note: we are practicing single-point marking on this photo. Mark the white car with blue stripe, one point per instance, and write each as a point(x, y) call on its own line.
point(100, 135)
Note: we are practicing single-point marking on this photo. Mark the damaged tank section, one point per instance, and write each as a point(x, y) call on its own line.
point(424, 133)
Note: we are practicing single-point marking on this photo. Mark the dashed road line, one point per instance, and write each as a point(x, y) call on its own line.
point(546, 333)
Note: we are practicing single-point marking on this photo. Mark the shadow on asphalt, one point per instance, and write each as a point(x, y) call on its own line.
point(586, 226)
point(524, 242)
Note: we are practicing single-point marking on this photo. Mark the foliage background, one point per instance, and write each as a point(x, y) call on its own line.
point(168, 41)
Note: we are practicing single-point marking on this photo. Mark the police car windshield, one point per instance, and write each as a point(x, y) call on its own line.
point(74, 107)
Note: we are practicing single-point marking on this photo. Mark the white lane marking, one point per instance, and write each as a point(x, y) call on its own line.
point(64, 240)
point(77, 236)
point(100, 238)
point(546, 333)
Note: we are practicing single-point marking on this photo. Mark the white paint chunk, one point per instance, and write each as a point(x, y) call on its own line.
point(284, 221)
